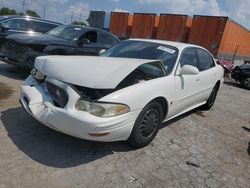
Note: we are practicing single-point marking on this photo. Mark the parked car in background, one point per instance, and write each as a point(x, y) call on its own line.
point(22, 49)
point(24, 24)
point(242, 74)
point(125, 94)
point(228, 65)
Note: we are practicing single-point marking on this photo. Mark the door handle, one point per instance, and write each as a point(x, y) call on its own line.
point(198, 79)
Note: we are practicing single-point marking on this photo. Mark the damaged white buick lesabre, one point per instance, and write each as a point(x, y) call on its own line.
point(125, 94)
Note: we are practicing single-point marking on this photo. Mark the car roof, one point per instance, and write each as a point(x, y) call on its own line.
point(96, 29)
point(179, 45)
point(27, 17)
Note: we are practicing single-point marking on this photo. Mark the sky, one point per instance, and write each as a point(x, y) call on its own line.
point(64, 10)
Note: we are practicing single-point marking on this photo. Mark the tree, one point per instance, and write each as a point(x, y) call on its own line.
point(79, 23)
point(7, 11)
point(32, 13)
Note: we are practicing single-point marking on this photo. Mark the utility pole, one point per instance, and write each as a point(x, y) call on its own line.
point(44, 11)
point(23, 6)
point(72, 15)
point(80, 18)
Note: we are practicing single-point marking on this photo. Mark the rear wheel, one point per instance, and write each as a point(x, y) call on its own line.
point(146, 126)
point(245, 82)
point(211, 99)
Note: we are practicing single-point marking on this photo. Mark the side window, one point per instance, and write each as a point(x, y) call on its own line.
point(205, 60)
point(107, 39)
point(41, 27)
point(15, 24)
point(91, 35)
point(189, 58)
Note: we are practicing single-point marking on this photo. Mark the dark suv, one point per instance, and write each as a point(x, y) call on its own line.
point(22, 49)
point(23, 24)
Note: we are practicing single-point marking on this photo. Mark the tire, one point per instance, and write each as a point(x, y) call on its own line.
point(146, 125)
point(211, 99)
point(245, 82)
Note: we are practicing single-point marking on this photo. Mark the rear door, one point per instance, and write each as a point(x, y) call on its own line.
point(208, 73)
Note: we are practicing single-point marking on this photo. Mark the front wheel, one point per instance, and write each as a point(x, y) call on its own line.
point(245, 82)
point(211, 99)
point(146, 125)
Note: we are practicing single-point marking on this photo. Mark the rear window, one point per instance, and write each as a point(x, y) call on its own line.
point(205, 60)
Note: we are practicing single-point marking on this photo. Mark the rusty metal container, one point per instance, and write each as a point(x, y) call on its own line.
point(172, 27)
point(119, 24)
point(221, 36)
point(143, 25)
point(235, 41)
point(207, 31)
point(188, 28)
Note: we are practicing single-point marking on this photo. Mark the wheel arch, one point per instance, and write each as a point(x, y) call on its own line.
point(163, 102)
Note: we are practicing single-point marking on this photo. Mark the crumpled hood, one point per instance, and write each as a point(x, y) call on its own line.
point(88, 71)
point(37, 38)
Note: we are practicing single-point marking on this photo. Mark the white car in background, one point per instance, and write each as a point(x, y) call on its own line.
point(125, 94)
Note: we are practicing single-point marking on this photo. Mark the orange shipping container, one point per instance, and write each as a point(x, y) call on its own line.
point(143, 25)
point(172, 27)
point(221, 36)
point(119, 24)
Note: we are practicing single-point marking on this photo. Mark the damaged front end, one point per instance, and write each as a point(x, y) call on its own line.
point(141, 74)
point(57, 80)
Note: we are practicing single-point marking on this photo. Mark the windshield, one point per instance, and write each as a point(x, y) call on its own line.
point(66, 32)
point(145, 50)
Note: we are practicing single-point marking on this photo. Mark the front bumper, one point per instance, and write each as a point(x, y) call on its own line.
point(68, 120)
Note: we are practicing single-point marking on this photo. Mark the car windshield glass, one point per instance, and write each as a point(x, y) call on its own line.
point(66, 32)
point(145, 50)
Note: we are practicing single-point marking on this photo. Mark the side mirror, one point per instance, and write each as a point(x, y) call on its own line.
point(3, 27)
point(189, 70)
point(101, 51)
point(83, 41)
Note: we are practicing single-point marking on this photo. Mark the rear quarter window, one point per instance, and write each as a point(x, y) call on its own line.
point(41, 27)
point(107, 39)
point(205, 60)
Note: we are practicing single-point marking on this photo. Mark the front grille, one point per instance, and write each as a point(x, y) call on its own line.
point(13, 50)
point(2, 41)
point(58, 95)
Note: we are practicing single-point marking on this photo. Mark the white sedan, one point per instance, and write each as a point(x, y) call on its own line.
point(125, 94)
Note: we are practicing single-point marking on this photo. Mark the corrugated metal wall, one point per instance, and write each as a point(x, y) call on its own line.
point(172, 27)
point(236, 39)
point(143, 25)
point(96, 19)
point(207, 31)
point(220, 35)
point(119, 24)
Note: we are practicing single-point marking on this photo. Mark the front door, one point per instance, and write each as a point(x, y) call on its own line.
point(187, 87)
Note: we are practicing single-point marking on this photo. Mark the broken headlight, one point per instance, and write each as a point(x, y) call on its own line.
point(37, 75)
point(102, 109)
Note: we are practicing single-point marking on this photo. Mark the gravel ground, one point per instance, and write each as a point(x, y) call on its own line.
point(199, 149)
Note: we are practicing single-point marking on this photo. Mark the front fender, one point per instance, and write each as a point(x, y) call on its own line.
point(139, 95)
